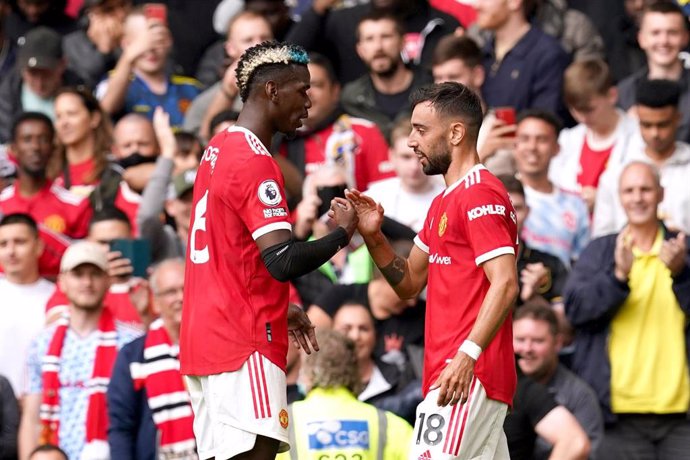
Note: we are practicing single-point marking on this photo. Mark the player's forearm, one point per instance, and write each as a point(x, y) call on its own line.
point(497, 304)
point(395, 269)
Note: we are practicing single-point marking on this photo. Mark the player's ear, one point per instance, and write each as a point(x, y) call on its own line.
point(271, 88)
point(457, 133)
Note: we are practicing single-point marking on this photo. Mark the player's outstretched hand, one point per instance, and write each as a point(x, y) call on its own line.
point(369, 212)
point(301, 330)
point(343, 213)
point(454, 381)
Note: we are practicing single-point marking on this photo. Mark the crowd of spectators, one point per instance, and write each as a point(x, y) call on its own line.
point(106, 107)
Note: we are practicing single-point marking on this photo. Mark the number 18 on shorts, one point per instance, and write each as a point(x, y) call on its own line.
point(473, 430)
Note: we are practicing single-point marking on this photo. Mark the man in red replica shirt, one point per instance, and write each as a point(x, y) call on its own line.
point(466, 254)
point(33, 193)
point(236, 320)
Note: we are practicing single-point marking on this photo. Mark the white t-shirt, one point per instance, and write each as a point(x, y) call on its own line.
point(407, 208)
point(22, 317)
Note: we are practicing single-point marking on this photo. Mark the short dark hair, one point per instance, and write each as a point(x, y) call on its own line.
point(31, 116)
point(462, 48)
point(538, 310)
point(48, 448)
point(325, 63)
point(512, 184)
point(451, 99)
point(543, 115)
point(657, 94)
point(186, 142)
point(20, 218)
point(375, 15)
point(665, 7)
point(220, 117)
point(109, 213)
point(261, 62)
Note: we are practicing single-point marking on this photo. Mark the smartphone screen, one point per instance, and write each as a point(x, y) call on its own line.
point(507, 115)
point(138, 251)
point(156, 11)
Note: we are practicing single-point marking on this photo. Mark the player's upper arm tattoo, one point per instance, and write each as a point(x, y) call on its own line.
point(394, 272)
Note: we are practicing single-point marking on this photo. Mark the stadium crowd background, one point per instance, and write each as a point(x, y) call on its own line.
point(105, 109)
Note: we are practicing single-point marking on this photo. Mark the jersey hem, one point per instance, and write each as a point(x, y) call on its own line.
point(420, 244)
point(261, 231)
point(493, 254)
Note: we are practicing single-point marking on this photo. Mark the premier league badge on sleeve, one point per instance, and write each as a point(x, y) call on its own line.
point(269, 193)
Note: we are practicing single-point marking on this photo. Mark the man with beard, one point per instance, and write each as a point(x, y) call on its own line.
point(33, 193)
point(236, 320)
point(382, 94)
point(469, 238)
point(332, 31)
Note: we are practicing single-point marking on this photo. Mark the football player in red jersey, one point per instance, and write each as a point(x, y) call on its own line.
point(236, 320)
point(465, 255)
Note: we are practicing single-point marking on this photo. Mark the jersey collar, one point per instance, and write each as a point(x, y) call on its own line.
point(454, 185)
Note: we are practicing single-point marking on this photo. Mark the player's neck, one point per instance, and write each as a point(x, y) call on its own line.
point(255, 121)
point(460, 165)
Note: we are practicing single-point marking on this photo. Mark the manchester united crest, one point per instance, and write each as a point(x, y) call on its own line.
point(283, 418)
point(442, 224)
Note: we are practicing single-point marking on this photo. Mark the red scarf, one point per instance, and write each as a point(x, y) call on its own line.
point(167, 396)
point(96, 413)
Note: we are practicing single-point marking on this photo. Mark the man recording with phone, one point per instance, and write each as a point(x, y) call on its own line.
point(109, 228)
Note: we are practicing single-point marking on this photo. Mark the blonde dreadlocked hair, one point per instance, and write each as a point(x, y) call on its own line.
point(270, 53)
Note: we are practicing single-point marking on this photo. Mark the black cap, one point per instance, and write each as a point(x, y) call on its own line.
point(41, 49)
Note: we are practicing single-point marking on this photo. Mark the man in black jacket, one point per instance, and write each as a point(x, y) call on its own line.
point(628, 298)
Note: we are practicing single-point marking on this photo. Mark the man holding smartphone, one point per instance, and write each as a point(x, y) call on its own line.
point(140, 78)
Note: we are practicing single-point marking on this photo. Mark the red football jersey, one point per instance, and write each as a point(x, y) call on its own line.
point(355, 143)
point(53, 206)
point(592, 164)
point(232, 305)
point(471, 222)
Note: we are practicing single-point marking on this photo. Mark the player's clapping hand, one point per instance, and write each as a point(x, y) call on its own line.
point(343, 213)
point(454, 381)
point(369, 212)
point(301, 330)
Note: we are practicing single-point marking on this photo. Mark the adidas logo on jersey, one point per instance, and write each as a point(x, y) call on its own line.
point(425, 456)
point(484, 210)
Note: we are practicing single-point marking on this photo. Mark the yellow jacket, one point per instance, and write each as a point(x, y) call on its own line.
point(331, 424)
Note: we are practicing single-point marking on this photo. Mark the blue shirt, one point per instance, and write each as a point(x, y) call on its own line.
point(78, 356)
point(141, 99)
point(558, 223)
point(529, 76)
